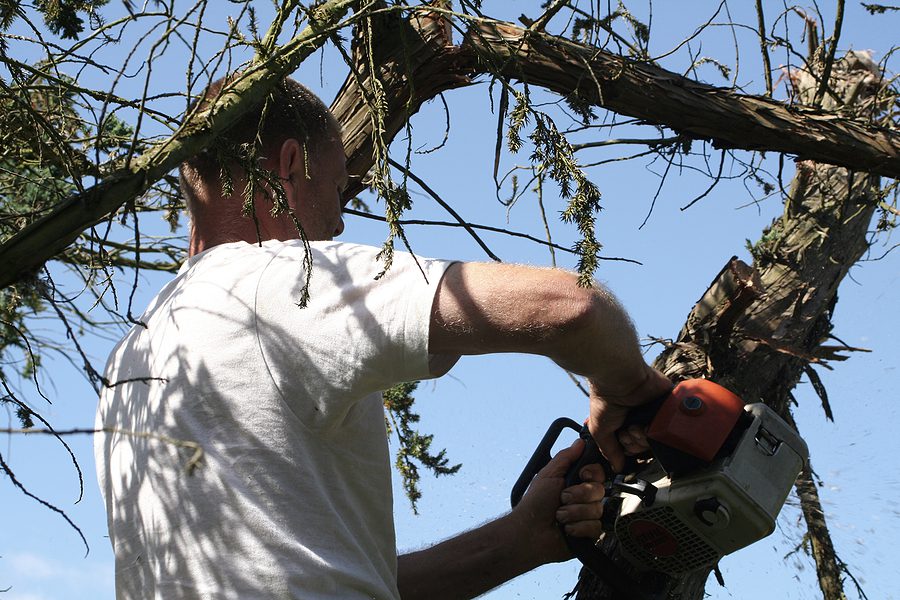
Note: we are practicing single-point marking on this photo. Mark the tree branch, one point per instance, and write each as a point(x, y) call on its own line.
point(41, 240)
point(652, 94)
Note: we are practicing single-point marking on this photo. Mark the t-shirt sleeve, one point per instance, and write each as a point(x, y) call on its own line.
point(360, 333)
point(391, 315)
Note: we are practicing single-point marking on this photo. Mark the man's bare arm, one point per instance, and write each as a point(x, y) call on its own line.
point(477, 561)
point(483, 308)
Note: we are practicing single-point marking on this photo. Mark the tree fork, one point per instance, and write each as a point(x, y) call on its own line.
point(416, 61)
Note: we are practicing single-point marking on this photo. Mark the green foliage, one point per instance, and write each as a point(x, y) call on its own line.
point(24, 415)
point(554, 156)
point(37, 120)
point(581, 107)
point(724, 70)
point(61, 16)
point(44, 146)
point(414, 447)
point(18, 303)
point(518, 118)
point(764, 251)
point(396, 198)
point(888, 212)
point(878, 9)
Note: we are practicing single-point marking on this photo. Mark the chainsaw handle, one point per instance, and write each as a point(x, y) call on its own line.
point(589, 456)
point(540, 457)
point(584, 549)
point(639, 415)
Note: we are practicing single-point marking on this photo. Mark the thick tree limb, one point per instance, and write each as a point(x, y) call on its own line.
point(431, 64)
point(644, 91)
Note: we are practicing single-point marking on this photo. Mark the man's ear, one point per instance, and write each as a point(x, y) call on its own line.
point(292, 160)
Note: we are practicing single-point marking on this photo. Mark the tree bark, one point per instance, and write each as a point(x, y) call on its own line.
point(647, 92)
point(756, 330)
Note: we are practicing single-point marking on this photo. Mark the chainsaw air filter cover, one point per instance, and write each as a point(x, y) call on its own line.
point(699, 516)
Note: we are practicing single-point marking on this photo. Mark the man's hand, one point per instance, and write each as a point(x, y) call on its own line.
point(608, 410)
point(546, 506)
point(474, 562)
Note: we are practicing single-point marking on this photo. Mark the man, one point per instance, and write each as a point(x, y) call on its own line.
point(293, 496)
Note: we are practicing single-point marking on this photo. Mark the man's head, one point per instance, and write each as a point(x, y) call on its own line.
point(291, 135)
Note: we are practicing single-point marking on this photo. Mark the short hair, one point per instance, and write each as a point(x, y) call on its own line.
point(290, 110)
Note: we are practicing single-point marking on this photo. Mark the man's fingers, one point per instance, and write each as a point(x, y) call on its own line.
point(594, 472)
point(591, 529)
point(583, 493)
point(634, 440)
point(572, 513)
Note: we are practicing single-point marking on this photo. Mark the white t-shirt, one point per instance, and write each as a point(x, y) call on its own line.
point(292, 498)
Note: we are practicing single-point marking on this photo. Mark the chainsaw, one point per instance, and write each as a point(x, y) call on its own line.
point(719, 474)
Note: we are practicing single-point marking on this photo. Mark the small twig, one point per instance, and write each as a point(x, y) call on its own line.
point(715, 182)
point(829, 62)
point(578, 384)
point(12, 477)
point(764, 48)
point(539, 192)
point(446, 207)
point(190, 466)
point(662, 182)
point(365, 215)
point(652, 143)
point(541, 22)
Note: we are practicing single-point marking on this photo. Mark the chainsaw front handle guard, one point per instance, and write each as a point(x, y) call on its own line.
point(640, 415)
point(540, 457)
point(584, 549)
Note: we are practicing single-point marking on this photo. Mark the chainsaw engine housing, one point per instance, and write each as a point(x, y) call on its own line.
point(697, 518)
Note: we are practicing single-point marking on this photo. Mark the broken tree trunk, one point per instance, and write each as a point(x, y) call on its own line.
point(757, 330)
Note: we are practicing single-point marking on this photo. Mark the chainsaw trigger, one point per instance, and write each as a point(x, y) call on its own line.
point(612, 506)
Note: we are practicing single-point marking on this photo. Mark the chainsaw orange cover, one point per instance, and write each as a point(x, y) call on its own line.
point(696, 418)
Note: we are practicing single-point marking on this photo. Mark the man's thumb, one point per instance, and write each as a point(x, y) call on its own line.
point(564, 459)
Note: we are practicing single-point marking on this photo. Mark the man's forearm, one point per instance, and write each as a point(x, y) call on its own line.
point(467, 565)
point(483, 308)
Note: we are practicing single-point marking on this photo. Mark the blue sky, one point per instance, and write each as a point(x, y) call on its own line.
point(491, 411)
